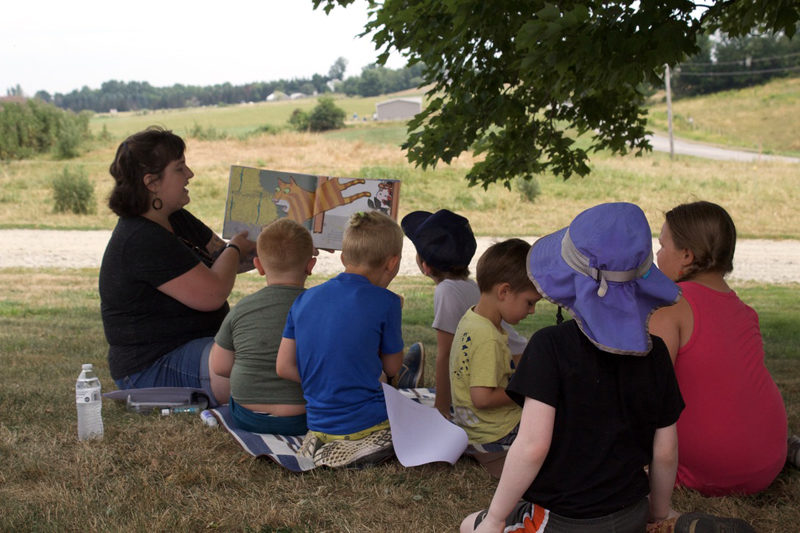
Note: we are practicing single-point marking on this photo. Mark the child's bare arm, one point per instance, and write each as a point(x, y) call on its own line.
point(488, 397)
point(662, 472)
point(444, 341)
point(523, 462)
point(674, 324)
point(221, 360)
point(286, 362)
point(392, 363)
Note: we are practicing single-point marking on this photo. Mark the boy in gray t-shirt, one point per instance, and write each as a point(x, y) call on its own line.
point(445, 246)
point(246, 346)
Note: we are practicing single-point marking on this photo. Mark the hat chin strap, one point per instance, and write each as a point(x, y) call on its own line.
point(580, 263)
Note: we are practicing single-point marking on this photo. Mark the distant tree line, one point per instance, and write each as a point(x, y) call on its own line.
point(375, 80)
point(135, 95)
point(726, 63)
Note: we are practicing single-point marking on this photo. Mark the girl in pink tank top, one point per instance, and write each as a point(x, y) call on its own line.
point(732, 434)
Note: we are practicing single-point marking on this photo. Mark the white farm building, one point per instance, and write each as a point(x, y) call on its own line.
point(398, 108)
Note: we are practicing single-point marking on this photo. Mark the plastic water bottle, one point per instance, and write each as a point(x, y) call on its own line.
point(89, 403)
point(208, 418)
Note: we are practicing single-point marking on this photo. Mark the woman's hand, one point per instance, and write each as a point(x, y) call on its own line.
point(247, 251)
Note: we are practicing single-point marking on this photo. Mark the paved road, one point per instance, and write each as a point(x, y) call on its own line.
point(660, 143)
point(757, 260)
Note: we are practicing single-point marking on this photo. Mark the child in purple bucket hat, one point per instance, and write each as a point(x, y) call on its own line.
point(599, 395)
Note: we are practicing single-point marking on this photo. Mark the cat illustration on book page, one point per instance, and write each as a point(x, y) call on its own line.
point(301, 205)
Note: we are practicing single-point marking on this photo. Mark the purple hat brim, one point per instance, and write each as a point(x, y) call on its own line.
point(616, 323)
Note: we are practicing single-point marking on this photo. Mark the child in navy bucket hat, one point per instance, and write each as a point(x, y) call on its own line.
point(598, 392)
point(445, 247)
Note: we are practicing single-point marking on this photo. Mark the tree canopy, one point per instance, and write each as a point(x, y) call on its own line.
point(519, 80)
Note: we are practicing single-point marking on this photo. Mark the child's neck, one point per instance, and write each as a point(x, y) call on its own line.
point(487, 308)
point(712, 280)
point(374, 275)
point(438, 279)
point(286, 281)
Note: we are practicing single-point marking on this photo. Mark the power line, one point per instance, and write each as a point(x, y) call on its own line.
point(742, 61)
point(739, 72)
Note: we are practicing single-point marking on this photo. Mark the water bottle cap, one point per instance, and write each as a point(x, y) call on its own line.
point(87, 366)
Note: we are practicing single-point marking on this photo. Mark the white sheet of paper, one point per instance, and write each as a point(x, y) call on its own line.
point(421, 434)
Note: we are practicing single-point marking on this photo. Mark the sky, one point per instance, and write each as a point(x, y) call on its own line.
point(59, 46)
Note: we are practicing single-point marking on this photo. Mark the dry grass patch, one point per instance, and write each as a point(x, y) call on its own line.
point(762, 197)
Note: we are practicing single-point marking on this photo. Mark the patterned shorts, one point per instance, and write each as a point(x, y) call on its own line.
point(528, 517)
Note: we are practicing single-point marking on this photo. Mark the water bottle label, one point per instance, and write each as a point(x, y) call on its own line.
point(86, 396)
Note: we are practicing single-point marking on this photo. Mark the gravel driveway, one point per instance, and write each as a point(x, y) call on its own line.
point(756, 259)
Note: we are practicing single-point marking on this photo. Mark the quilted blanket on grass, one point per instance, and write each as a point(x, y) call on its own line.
point(409, 422)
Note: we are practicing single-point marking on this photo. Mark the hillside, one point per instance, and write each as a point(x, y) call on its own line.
point(764, 118)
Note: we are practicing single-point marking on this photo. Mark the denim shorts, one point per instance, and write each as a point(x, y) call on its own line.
point(265, 423)
point(185, 366)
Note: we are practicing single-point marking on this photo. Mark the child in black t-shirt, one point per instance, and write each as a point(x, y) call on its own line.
point(599, 395)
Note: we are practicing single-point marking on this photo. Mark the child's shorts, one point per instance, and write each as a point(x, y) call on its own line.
point(531, 518)
point(264, 423)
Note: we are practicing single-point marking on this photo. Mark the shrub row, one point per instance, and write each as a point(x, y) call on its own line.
point(32, 127)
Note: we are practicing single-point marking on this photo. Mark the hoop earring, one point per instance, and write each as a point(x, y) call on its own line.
point(157, 203)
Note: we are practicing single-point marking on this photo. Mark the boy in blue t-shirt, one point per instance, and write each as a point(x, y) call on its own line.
point(339, 337)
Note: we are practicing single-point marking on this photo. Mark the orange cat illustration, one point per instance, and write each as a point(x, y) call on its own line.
point(300, 204)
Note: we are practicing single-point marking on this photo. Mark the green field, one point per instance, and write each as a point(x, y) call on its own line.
point(233, 120)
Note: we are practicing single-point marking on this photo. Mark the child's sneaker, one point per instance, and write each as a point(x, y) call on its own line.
point(310, 445)
point(371, 450)
point(706, 523)
point(793, 454)
point(410, 375)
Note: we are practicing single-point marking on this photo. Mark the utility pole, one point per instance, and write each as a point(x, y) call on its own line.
point(669, 112)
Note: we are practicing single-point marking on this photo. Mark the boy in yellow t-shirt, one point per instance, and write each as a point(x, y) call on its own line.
point(480, 361)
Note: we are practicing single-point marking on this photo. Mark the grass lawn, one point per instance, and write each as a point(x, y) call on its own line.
point(174, 473)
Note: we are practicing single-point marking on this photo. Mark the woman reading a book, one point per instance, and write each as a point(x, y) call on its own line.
point(165, 276)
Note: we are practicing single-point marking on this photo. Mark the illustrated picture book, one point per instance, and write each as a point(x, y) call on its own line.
point(323, 204)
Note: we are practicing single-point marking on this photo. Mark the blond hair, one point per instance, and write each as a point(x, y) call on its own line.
point(370, 239)
point(284, 246)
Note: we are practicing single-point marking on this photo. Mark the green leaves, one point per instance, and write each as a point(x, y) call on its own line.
point(518, 80)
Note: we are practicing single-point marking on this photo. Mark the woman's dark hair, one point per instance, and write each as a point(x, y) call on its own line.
point(708, 231)
point(146, 152)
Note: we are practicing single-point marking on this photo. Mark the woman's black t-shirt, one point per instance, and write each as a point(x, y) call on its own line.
point(142, 323)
